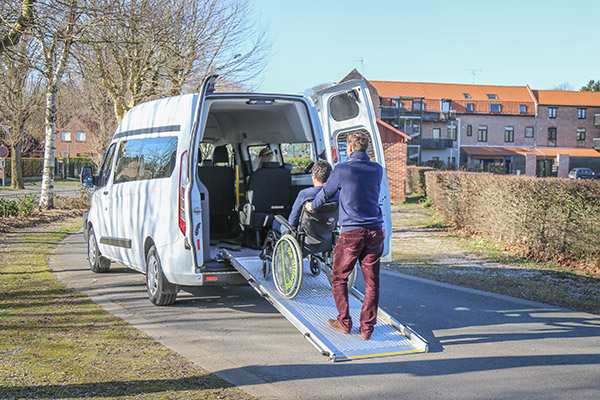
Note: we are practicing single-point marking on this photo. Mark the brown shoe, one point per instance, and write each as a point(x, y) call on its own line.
point(335, 324)
point(365, 336)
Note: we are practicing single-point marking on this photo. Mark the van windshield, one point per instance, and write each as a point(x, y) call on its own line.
point(299, 155)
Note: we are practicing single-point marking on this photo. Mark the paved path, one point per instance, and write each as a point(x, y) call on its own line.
point(62, 190)
point(482, 346)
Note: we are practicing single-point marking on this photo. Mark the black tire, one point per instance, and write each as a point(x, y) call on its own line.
point(287, 266)
point(98, 263)
point(266, 267)
point(160, 291)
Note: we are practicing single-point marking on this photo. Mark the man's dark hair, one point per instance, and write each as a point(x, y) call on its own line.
point(359, 141)
point(321, 170)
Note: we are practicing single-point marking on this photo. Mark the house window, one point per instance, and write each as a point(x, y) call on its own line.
point(466, 96)
point(580, 137)
point(80, 136)
point(509, 134)
point(482, 134)
point(452, 132)
point(437, 133)
point(435, 158)
point(417, 105)
point(529, 131)
point(469, 107)
point(446, 105)
point(552, 112)
point(469, 130)
point(65, 136)
point(522, 108)
point(551, 137)
point(492, 96)
point(581, 113)
point(495, 108)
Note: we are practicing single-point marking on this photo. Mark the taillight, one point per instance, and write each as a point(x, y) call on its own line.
point(182, 176)
point(334, 153)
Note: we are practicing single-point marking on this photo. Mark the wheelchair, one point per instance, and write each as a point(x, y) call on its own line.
point(284, 253)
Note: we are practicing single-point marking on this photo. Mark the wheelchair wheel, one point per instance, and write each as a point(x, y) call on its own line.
point(351, 277)
point(287, 266)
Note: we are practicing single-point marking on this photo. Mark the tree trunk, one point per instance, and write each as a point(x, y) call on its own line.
point(16, 170)
point(46, 196)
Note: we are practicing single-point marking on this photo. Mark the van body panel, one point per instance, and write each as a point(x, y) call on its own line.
point(347, 108)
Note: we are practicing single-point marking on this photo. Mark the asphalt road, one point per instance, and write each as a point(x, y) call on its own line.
point(60, 189)
point(482, 346)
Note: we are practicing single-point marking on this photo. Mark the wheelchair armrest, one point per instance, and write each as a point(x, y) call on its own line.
point(283, 221)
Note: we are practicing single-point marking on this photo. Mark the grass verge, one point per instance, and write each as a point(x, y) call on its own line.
point(56, 343)
point(485, 265)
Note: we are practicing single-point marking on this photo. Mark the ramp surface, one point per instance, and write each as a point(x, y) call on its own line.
point(314, 304)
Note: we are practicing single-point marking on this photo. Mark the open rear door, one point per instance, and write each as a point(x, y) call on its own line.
point(196, 195)
point(346, 108)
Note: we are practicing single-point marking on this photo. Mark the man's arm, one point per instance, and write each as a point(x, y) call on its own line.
point(296, 209)
point(330, 188)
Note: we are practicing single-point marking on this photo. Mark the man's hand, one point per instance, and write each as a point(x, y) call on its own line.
point(308, 206)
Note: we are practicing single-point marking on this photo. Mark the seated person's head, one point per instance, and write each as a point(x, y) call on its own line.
point(320, 172)
point(358, 141)
point(265, 155)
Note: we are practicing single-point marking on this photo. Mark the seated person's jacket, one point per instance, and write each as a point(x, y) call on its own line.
point(305, 195)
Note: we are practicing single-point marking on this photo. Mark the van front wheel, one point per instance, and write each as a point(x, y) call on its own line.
point(160, 291)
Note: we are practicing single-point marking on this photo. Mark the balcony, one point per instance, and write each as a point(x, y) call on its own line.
point(393, 113)
point(429, 143)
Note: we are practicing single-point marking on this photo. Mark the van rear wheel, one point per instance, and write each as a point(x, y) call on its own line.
point(160, 291)
point(98, 263)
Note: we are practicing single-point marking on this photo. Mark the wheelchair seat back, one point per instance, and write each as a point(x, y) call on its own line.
point(318, 228)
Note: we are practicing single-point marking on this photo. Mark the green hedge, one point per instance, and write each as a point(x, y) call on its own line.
point(35, 166)
point(415, 179)
point(548, 218)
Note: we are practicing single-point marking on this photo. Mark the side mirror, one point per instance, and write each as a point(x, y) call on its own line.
point(87, 177)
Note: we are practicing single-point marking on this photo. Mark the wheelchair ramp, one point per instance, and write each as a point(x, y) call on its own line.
point(314, 304)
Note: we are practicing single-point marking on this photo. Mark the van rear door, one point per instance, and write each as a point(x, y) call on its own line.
point(196, 194)
point(346, 108)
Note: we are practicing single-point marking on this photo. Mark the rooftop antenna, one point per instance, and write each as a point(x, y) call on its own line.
point(362, 65)
point(473, 72)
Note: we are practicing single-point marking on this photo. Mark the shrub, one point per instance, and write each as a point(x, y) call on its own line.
point(548, 218)
point(23, 206)
point(415, 179)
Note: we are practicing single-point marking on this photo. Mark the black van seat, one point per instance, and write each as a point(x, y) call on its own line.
point(219, 180)
point(267, 195)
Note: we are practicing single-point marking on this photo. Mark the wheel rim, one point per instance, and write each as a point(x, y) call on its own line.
point(92, 250)
point(152, 275)
point(287, 273)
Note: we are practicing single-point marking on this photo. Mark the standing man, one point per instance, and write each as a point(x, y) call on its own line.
point(358, 181)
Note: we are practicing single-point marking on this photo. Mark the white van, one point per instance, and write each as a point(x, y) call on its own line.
point(182, 180)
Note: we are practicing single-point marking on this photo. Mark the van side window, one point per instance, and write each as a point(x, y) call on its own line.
point(150, 158)
point(104, 172)
point(299, 155)
point(344, 106)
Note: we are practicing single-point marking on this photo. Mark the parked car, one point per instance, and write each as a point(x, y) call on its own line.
point(583, 173)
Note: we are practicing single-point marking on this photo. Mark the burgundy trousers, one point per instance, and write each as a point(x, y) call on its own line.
point(365, 246)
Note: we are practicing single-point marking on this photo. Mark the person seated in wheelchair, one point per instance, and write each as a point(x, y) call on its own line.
point(320, 173)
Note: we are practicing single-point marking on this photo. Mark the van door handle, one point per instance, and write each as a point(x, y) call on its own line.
point(105, 192)
point(197, 210)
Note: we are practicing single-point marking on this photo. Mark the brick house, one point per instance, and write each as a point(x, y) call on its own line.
point(75, 138)
point(477, 127)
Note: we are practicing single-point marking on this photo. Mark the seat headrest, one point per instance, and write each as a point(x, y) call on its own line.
point(270, 164)
point(220, 155)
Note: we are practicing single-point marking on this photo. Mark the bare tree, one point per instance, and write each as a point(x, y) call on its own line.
point(135, 56)
point(15, 18)
point(21, 89)
point(55, 29)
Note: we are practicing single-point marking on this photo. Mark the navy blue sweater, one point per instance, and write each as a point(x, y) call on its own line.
point(358, 181)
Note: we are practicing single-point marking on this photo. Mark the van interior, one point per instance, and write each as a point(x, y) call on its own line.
point(255, 156)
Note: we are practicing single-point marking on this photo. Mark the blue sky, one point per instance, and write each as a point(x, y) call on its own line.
point(540, 43)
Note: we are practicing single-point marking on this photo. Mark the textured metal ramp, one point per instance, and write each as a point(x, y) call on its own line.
point(314, 304)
